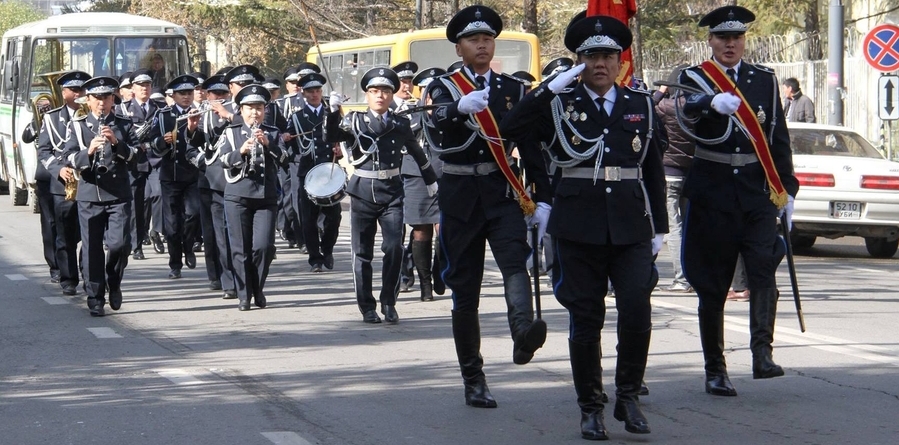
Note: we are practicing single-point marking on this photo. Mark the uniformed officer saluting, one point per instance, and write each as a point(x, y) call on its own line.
point(734, 199)
point(609, 211)
point(100, 147)
point(479, 194)
point(376, 139)
point(251, 158)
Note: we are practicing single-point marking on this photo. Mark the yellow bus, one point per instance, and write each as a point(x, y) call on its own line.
point(346, 61)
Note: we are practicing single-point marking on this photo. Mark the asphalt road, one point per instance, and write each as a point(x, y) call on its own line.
point(179, 365)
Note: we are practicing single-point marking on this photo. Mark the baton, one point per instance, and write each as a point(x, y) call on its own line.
point(536, 272)
point(792, 268)
point(421, 109)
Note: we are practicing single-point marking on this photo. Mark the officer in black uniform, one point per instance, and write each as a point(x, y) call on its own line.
point(476, 202)
point(144, 111)
point(527, 79)
point(100, 147)
point(42, 179)
point(178, 177)
point(64, 213)
point(403, 100)
point(733, 201)
point(609, 211)
point(376, 140)
point(237, 78)
point(306, 148)
point(141, 111)
point(124, 92)
point(251, 157)
point(203, 152)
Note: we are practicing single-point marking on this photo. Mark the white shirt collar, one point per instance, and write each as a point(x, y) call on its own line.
point(610, 97)
point(736, 67)
point(316, 110)
point(472, 75)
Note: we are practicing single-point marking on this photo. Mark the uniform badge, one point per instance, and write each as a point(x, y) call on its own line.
point(636, 144)
point(566, 115)
point(508, 105)
point(575, 140)
point(583, 116)
point(761, 115)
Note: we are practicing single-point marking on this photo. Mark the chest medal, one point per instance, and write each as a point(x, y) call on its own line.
point(636, 144)
point(761, 115)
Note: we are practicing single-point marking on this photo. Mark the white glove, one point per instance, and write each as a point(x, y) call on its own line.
point(335, 101)
point(788, 210)
point(565, 78)
point(432, 189)
point(726, 103)
point(657, 243)
point(540, 218)
point(474, 101)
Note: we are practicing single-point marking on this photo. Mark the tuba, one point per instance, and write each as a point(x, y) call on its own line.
point(44, 102)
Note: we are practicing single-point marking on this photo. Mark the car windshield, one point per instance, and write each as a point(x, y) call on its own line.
point(816, 141)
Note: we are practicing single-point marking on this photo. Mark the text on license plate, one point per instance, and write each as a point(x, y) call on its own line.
point(846, 210)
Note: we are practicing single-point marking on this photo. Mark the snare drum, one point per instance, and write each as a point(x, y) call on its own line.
point(326, 184)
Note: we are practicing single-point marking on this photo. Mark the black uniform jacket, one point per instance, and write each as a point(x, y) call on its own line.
point(173, 162)
point(203, 151)
point(51, 148)
point(262, 181)
point(115, 184)
point(607, 212)
point(727, 187)
point(309, 148)
point(133, 111)
point(386, 143)
point(460, 194)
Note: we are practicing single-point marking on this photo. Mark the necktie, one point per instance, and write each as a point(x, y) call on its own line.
point(732, 74)
point(602, 107)
point(482, 82)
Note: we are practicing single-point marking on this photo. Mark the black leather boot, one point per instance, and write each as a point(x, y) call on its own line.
point(439, 285)
point(711, 335)
point(762, 311)
point(633, 348)
point(467, 335)
point(528, 334)
point(587, 373)
point(421, 256)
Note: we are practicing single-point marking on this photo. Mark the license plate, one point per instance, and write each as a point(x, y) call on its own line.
point(846, 210)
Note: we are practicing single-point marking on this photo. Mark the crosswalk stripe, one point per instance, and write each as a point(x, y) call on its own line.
point(179, 377)
point(285, 438)
point(55, 300)
point(17, 277)
point(104, 332)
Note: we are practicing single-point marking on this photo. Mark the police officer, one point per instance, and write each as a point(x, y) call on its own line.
point(736, 187)
point(203, 152)
point(403, 100)
point(307, 148)
point(237, 78)
point(100, 147)
point(125, 86)
point(482, 199)
point(178, 177)
point(251, 156)
point(527, 79)
point(64, 213)
point(419, 209)
point(610, 152)
point(376, 140)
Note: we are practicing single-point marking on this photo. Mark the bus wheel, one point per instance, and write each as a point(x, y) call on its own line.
point(18, 196)
point(32, 198)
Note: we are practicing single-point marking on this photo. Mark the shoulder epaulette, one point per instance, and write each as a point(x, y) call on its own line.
point(638, 90)
point(761, 68)
point(56, 110)
point(511, 77)
point(80, 118)
point(165, 109)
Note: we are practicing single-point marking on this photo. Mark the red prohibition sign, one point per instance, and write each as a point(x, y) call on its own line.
point(881, 47)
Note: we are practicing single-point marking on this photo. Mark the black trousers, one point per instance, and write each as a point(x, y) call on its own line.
point(712, 241)
point(464, 243)
point(289, 210)
point(180, 205)
point(222, 243)
point(251, 229)
point(318, 246)
point(138, 222)
point(111, 222)
point(152, 215)
point(581, 273)
point(365, 217)
point(48, 224)
point(210, 247)
point(68, 236)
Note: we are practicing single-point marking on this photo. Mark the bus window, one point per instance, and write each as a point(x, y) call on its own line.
point(509, 56)
point(90, 55)
point(382, 57)
point(166, 56)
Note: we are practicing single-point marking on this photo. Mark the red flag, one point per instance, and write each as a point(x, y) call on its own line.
point(622, 10)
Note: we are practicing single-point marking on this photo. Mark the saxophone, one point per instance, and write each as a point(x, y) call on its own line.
point(71, 185)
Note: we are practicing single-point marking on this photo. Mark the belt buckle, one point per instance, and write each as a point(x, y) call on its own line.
point(736, 160)
point(382, 174)
point(613, 173)
point(481, 169)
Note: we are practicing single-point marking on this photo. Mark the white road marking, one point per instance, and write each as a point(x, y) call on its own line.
point(796, 337)
point(179, 377)
point(55, 300)
point(17, 277)
point(104, 333)
point(285, 438)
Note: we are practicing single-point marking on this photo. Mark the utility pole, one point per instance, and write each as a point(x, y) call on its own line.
point(835, 45)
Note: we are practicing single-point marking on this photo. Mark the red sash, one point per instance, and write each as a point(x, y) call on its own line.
point(750, 121)
point(488, 124)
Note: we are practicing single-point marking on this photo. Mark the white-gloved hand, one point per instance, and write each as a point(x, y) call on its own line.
point(657, 243)
point(540, 218)
point(335, 101)
point(726, 103)
point(788, 210)
point(565, 78)
point(432, 189)
point(475, 101)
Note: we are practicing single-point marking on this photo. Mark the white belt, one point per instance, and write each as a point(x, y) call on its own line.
point(611, 173)
point(732, 159)
point(377, 174)
point(481, 169)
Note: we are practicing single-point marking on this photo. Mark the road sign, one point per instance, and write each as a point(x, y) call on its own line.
point(888, 98)
point(881, 47)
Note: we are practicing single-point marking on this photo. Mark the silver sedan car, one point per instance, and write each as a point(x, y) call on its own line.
point(847, 188)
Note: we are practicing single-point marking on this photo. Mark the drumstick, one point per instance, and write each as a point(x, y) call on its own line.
point(333, 161)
